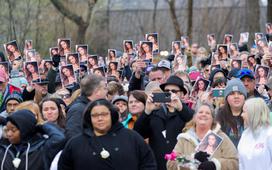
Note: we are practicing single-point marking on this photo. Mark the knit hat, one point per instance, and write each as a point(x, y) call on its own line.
point(25, 121)
point(235, 85)
point(164, 64)
point(118, 98)
point(14, 96)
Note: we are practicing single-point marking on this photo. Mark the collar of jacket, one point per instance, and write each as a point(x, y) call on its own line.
point(191, 134)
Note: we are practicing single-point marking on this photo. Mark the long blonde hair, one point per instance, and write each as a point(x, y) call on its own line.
point(34, 108)
point(258, 113)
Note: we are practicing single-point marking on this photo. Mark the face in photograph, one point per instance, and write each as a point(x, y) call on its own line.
point(64, 46)
point(176, 48)
point(28, 44)
point(244, 37)
point(12, 50)
point(128, 46)
point(268, 27)
point(111, 55)
point(54, 51)
point(73, 59)
point(67, 75)
point(227, 39)
point(146, 50)
point(99, 71)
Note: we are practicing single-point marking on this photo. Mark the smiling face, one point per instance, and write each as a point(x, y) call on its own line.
point(11, 48)
point(66, 72)
point(81, 50)
point(64, 45)
point(30, 68)
point(203, 117)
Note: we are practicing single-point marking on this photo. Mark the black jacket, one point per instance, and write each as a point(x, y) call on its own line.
point(75, 116)
point(158, 123)
point(127, 151)
point(38, 152)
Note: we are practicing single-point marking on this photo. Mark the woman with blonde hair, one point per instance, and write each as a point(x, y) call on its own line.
point(224, 157)
point(34, 108)
point(257, 136)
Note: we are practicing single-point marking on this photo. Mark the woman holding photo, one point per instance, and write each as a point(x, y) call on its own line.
point(255, 146)
point(224, 158)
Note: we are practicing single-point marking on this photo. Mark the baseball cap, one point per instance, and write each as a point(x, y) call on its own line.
point(245, 72)
point(164, 64)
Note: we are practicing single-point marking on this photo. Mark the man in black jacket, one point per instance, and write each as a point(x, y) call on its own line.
point(163, 125)
point(92, 87)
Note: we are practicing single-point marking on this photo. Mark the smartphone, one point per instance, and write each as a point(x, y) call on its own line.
point(162, 97)
point(218, 92)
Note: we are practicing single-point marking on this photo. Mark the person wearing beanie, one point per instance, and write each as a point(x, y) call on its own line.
point(229, 115)
point(12, 101)
point(105, 143)
point(25, 146)
point(121, 102)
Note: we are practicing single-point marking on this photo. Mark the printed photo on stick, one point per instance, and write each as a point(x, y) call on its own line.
point(259, 35)
point(31, 71)
point(31, 55)
point(113, 68)
point(64, 45)
point(53, 51)
point(228, 39)
point(222, 50)
point(112, 56)
point(146, 48)
point(210, 143)
point(154, 38)
point(12, 50)
point(73, 59)
point(261, 74)
point(268, 28)
point(236, 63)
point(262, 45)
point(5, 67)
point(176, 48)
point(28, 45)
point(184, 41)
point(99, 71)
point(211, 40)
point(200, 86)
point(128, 47)
point(67, 75)
point(47, 65)
point(82, 50)
point(233, 50)
point(244, 38)
point(92, 62)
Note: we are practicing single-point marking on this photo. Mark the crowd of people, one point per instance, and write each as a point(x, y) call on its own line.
point(124, 111)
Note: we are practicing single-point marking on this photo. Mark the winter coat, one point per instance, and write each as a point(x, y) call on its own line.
point(74, 117)
point(162, 130)
point(37, 153)
point(224, 158)
point(126, 148)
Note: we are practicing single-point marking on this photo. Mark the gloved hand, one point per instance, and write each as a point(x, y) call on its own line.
point(202, 156)
point(56, 60)
point(207, 165)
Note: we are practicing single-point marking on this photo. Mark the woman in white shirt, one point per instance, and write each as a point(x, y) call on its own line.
point(255, 146)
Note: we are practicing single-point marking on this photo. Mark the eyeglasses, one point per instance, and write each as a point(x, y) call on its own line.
point(172, 91)
point(65, 96)
point(103, 115)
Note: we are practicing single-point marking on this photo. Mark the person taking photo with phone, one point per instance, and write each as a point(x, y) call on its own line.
point(163, 125)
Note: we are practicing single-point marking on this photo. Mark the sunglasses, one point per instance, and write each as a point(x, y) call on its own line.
point(173, 91)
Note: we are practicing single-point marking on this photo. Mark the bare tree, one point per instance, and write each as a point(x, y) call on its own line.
point(253, 16)
point(82, 24)
point(269, 11)
point(190, 19)
point(171, 4)
point(12, 30)
point(154, 14)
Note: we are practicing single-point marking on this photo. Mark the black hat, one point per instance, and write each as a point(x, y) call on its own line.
point(41, 81)
point(174, 80)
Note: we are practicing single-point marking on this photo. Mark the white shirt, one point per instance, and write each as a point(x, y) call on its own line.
point(255, 153)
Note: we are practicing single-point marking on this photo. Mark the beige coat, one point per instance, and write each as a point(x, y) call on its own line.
point(225, 157)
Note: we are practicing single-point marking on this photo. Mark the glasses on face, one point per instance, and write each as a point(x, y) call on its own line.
point(65, 96)
point(97, 115)
point(172, 91)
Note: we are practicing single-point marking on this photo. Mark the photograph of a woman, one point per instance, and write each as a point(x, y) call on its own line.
point(236, 63)
point(268, 28)
point(200, 87)
point(233, 50)
point(261, 74)
point(47, 66)
point(259, 35)
point(222, 50)
point(146, 48)
point(67, 75)
point(113, 69)
point(210, 143)
point(31, 55)
point(228, 39)
point(64, 46)
point(12, 50)
point(185, 42)
point(5, 67)
point(92, 62)
point(128, 47)
point(73, 59)
point(53, 51)
point(83, 52)
point(154, 38)
point(211, 40)
point(99, 71)
point(112, 55)
point(243, 38)
point(176, 48)
point(28, 46)
point(31, 71)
